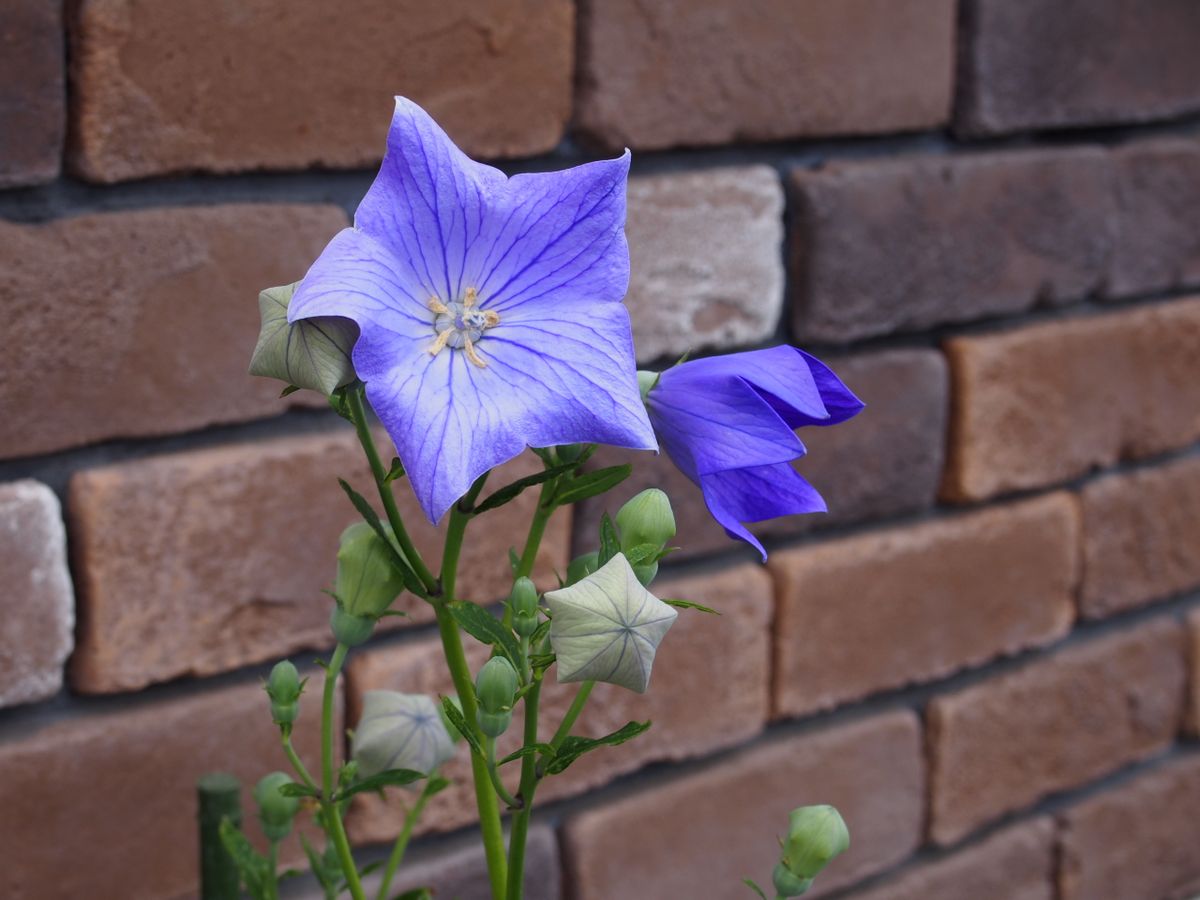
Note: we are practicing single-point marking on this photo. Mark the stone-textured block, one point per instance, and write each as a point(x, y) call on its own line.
point(37, 603)
point(700, 834)
point(32, 92)
point(1042, 404)
point(696, 72)
point(905, 244)
point(1057, 723)
point(175, 86)
point(913, 603)
point(1140, 537)
point(199, 562)
point(704, 250)
point(886, 461)
point(709, 691)
point(1128, 62)
point(142, 323)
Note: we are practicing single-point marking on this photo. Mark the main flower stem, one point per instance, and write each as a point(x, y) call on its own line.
point(568, 722)
point(520, 822)
point(397, 855)
point(333, 817)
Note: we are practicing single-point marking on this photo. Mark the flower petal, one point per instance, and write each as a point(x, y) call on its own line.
point(756, 494)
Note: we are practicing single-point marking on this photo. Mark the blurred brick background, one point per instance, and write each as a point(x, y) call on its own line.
point(985, 213)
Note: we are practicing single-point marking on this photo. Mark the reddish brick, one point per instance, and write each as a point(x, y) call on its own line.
point(106, 801)
point(904, 244)
point(1054, 724)
point(142, 323)
point(32, 92)
point(1140, 532)
point(1192, 714)
point(909, 604)
point(198, 562)
point(162, 87)
point(1158, 235)
point(710, 72)
point(37, 607)
point(698, 835)
point(1128, 62)
point(884, 462)
point(1136, 841)
point(705, 254)
point(1041, 404)
point(703, 697)
point(1015, 864)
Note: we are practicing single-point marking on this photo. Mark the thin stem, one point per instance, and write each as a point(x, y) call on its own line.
point(489, 744)
point(332, 815)
point(581, 699)
point(397, 856)
point(273, 862)
point(537, 528)
point(520, 822)
point(297, 763)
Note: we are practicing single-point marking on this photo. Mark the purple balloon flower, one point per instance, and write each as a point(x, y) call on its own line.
point(729, 423)
point(489, 308)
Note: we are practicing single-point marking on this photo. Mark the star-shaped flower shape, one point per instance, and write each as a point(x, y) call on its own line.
point(400, 731)
point(489, 308)
point(607, 627)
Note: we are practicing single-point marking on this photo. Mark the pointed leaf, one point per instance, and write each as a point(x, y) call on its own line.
point(378, 782)
point(754, 887)
point(411, 582)
point(396, 471)
point(688, 604)
point(610, 543)
point(295, 789)
point(543, 748)
point(590, 484)
point(642, 554)
point(459, 721)
point(574, 747)
point(252, 865)
point(487, 629)
point(514, 561)
point(512, 491)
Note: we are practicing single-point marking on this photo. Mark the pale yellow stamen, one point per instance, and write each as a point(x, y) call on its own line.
point(472, 355)
point(491, 319)
point(439, 307)
point(438, 345)
point(470, 297)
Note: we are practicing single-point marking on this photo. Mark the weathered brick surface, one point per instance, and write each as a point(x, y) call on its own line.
point(1136, 841)
point(32, 92)
point(1140, 536)
point(106, 801)
point(885, 461)
point(705, 256)
point(1015, 864)
point(693, 73)
point(909, 604)
point(1192, 714)
point(142, 323)
point(37, 606)
point(709, 691)
point(163, 87)
point(700, 834)
point(1158, 235)
point(1045, 403)
point(199, 562)
point(903, 244)
point(1054, 724)
point(1129, 62)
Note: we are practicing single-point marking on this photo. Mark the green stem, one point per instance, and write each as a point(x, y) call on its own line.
point(581, 699)
point(489, 744)
point(297, 763)
point(332, 815)
point(537, 528)
point(520, 822)
point(410, 821)
point(273, 862)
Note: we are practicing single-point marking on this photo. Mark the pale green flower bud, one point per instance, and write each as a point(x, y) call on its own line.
point(367, 582)
point(523, 601)
point(787, 884)
point(582, 566)
point(313, 353)
point(816, 834)
point(496, 688)
point(350, 630)
point(284, 688)
point(275, 811)
point(607, 627)
point(646, 519)
point(400, 731)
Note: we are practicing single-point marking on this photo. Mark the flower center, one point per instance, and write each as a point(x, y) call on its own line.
point(460, 323)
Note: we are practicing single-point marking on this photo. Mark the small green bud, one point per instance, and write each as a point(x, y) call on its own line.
point(646, 519)
point(496, 688)
point(582, 566)
point(646, 573)
point(367, 582)
point(284, 688)
point(646, 382)
point(349, 629)
point(816, 834)
point(523, 601)
point(569, 452)
point(788, 884)
point(275, 811)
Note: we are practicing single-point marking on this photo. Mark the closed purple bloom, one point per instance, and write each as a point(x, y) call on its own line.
point(729, 424)
point(489, 308)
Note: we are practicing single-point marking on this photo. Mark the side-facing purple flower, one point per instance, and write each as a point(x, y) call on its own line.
point(489, 308)
point(729, 423)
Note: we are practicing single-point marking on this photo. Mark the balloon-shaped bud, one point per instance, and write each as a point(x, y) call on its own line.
point(400, 731)
point(607, 627)
point(366, 583)
point(312, 353)
point(647, 381)
point(275, 811)
point(284, 688)
point(496, 689)
point(646, 519)
point(582, 566)
point(523, 601)
point(788, 884)
point(816, 834)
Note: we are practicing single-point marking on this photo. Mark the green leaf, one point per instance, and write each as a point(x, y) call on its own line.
point(514, 561)
point(415, 894)
point(688, 604)
point(589, 484)
point(610, 542)
point(396, 471)
point(411, 582)
point(542, 661)
point(574, 747)
point(544, 749)
point(289, 390)
point(487, 629)
point(379, 782)
point(436, 785)
point(754, 887)
point(642, 554)
point(296, 789)
point(253, 866)
point(512, 491)
point(459, 721)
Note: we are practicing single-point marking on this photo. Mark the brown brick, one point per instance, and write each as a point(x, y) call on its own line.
point(709, 691)
point(1140, 532)
point(914, 603)
point(904, 244)
point(705, 254)
point(1192, 713)
point(1015, 864)
point(1158, 235)
point(162, 87)
point(37, 606)
point(198, 562)
point(1041, 404)
point(710, 72)
point(700, 834)
point(885, 461)
point(1054, 724)
point(1128, 62)
point(32, 92)
point(1136, 841)
point(142, 323)
point(107, 803)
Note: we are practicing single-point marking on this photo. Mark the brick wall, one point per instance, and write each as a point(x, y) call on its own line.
point(984, 213)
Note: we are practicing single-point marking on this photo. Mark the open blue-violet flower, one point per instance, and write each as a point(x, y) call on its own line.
point(728, 423)
point(489, 308)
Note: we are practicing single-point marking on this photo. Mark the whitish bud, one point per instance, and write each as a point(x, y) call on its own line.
point(496, 689)
point(523, 601)
point(313, 353)
point(816, 834)
point(646, 519)
point(400, 731)
point(284, 688)
point(275, 811)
